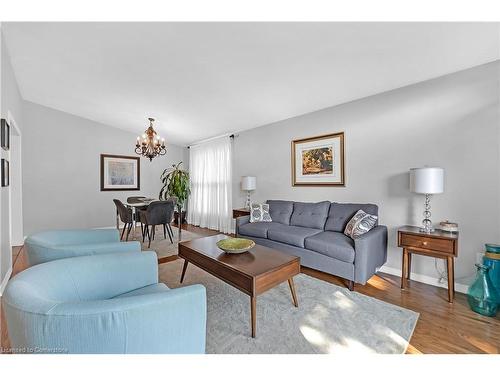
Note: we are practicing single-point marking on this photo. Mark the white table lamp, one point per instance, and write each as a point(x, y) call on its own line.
point(427, 180)
point(248, 184)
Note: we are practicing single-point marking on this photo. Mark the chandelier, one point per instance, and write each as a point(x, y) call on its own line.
point(149, 144)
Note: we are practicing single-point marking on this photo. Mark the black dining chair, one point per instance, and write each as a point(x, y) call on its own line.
point(135, 210)
point(126, 216)
point(174, 201)
point(157, 213)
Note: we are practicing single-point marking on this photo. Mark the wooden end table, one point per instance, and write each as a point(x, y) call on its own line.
point(252, 272)
point(438, 244)
point(238, 212)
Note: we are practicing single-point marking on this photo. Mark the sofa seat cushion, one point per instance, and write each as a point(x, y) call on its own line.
point(291, 235)
point(333, 244)
point(150, 289)
point(258, 229)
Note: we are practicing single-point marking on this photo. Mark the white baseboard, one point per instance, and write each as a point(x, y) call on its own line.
point(5, 281)
point(461, 288)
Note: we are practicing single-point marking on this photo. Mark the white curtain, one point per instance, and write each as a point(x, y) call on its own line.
point(210, 170)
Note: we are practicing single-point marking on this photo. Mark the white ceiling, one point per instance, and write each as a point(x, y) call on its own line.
point(204, 79)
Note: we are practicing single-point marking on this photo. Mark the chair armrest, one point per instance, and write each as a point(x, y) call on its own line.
point(105, 276)
point(90, 235)
point(240, 221)
point(371, 253)
point(99, 248)
point(173, 321)
point(42, 254)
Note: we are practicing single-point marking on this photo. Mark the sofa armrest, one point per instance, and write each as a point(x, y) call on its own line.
point(240, 221)
point(371, 253)
point(171, 322)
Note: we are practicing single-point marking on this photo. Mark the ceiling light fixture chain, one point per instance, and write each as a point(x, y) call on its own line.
point(149, 144)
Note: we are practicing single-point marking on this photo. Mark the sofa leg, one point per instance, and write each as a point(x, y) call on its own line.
point(350, 285)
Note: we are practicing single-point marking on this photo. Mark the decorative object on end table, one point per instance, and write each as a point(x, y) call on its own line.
point(482, 295)
point(235, 245)
point(149, 145)
point(5, 173)
point(248, 184)
point(120, 172)
point(259, 213)
point(318, 161)
point(5, 134)
point(176, 184)
point(359, 224)
point(427, 180)
point(448, 226)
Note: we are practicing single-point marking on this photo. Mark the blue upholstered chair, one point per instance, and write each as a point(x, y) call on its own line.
point(56, 244)
point(109, 303)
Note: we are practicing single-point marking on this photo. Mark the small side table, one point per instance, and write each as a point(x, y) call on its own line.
point(438, 244)
point(237, 212)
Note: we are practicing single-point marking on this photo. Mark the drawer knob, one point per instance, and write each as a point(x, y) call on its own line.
point(424, 243)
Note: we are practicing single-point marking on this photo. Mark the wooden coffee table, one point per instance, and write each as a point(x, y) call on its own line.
point(252, 272)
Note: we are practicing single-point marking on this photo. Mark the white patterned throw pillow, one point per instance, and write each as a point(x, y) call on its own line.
point(359, 224)
point(259, 213)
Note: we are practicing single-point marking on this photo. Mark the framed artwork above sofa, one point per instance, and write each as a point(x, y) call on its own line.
point(318, 161)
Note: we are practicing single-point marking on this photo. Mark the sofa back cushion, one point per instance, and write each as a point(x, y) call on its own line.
point(340, 214)
point(310, 215)
point(280, 211)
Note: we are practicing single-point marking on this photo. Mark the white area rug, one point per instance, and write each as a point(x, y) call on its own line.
point(329, 319)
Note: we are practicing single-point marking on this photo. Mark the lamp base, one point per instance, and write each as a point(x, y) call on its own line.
point(427, 230)
point(427, 223)
point(248, 203)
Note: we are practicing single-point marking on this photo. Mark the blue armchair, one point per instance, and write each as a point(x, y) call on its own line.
point(51, 245)
point(109, 303)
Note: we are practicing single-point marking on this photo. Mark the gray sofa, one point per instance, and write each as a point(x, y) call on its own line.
point(315, 233)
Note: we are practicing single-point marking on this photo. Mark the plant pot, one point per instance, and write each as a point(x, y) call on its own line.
point(183, 217)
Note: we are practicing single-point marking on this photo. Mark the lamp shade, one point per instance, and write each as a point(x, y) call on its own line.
point(427, 180)
point(248, 183)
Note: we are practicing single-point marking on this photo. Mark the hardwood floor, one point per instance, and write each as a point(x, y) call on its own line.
point(441, 327)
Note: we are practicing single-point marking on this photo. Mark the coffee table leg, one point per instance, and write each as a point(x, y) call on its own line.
point(184, 268)
point(253, 302)
point(292, 289)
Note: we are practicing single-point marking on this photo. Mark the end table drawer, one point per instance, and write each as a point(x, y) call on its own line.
point(436, 244)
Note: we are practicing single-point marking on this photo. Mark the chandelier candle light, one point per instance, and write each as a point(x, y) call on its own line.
point(427, 180)
point(149, 144)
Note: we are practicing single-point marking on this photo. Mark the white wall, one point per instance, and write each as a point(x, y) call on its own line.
point(61, 174)
point(11, 109)
point(451, 121)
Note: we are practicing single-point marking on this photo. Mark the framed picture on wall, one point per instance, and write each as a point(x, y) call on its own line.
point(120, 172)
point(5, 134)
point(318, 161)
point(5, 173)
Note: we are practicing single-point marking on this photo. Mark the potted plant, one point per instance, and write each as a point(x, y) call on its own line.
point(176, 184)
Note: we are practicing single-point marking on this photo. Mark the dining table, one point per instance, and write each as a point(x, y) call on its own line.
point(144, 202)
